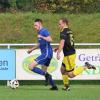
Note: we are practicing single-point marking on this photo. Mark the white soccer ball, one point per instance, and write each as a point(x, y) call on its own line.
point(14, 84)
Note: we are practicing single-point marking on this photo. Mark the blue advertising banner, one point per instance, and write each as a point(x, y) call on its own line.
point(7, 64)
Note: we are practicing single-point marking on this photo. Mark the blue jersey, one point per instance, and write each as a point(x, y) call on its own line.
point(45, 46)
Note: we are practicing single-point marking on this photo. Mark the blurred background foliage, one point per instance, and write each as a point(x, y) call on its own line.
point(55, 6)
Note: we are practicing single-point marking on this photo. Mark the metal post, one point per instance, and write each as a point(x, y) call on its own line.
point(8, 81)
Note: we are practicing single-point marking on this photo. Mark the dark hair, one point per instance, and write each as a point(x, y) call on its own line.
point(64, 20)
point(38, 20)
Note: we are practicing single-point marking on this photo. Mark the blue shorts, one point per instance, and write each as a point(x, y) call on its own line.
point(43, 60)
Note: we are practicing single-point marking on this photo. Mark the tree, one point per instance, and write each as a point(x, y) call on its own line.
point(4, 5)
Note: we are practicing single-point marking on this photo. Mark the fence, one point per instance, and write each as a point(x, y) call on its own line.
point(53, 44)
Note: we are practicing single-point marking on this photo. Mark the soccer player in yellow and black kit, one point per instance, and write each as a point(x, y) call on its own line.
point(66, 44)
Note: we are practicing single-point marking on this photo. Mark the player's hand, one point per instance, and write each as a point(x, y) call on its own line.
point(39, 36)
point(55, 49)
point(29, 51)
point(58, 55)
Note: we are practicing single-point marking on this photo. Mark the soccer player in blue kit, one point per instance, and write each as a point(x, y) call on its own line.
point(44, 59)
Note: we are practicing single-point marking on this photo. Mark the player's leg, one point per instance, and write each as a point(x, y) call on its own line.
point(44, 68)
point(33, 68)
point(33, 65)
point(78, 70)
point(65, 78)
point(68, 64)
point(48, 76)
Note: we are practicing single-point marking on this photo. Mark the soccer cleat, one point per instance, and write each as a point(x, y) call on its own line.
point(66, 88)
point(89, 66)
point(54, 88)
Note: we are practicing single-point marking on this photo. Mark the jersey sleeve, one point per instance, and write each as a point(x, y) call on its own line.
point(63, 35)
point(46, 33)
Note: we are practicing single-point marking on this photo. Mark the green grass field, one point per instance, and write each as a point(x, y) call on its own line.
point(40, 92)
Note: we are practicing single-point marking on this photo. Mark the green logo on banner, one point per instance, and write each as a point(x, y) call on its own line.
point(52, 67)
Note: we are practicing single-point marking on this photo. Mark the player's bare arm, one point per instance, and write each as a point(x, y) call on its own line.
point(56, 49)
point(49, 39)
point(34, 48)
point(61, 45)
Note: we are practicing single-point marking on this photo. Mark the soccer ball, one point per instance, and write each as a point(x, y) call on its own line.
point(14, 84)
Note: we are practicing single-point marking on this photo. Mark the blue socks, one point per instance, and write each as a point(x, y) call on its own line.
point(41, 72)
point(38, 70)
point(51, 82)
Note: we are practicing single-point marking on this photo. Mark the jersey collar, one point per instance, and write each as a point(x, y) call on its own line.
point(64, 28)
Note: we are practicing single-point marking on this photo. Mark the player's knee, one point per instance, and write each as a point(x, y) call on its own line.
point(62, 70)
point(30, 67)
point(71, 75)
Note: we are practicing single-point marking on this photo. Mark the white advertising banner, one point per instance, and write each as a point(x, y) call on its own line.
point(83, 55)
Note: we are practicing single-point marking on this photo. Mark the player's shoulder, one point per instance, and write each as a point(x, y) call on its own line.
point(67, 30)
point(64, 31)
point(45, 32)
point(44, 29)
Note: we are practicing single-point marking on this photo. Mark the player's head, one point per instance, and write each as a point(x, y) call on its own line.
point(63, 22)
point(38, 24)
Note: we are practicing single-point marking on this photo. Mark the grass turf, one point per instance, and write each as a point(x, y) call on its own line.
point(18, 28)
point(40, 92)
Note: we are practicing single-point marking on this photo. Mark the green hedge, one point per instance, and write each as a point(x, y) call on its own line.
point(58, 6)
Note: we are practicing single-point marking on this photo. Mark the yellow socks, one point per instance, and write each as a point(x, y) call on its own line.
point(78, 71)
point(65, 79)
